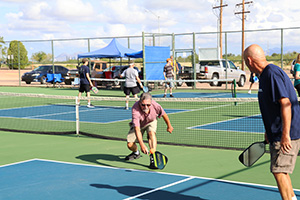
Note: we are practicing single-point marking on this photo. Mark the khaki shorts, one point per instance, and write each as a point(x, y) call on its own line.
point(152, 126)
point(284, 162)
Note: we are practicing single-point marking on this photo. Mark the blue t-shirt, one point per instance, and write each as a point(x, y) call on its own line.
point(83, 79)
point(274, 84)
point(296, 69)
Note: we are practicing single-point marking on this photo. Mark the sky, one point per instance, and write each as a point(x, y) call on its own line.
point(25, 20)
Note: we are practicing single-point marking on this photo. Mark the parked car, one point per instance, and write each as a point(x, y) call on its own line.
point(39, 74)
point(215, 70)
point(114, 72)
point(118, 70)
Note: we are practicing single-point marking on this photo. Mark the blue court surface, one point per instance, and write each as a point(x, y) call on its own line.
point(105, 114)
point(252, 124)
point(45, 179)
point(206, 95)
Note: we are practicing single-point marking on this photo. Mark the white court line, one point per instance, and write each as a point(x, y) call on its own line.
point(198, 109)
point(24, 107)
point(160, 188)
point(238, 118)
point(16, 163)
point(204, 96)
point(52, 114)
point(145, 171)
point(225, 121)
point(219, 106)
point(215, 95)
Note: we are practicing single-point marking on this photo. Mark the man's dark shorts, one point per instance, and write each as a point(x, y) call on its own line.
point(251, 79)
point(133, 90)
point(84, 88)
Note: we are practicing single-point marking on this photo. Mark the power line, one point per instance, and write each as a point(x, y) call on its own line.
point(220, 19)
point(240, 10)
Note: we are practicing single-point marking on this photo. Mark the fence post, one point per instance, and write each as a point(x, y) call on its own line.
point(53, 70)
point(77, 116)
point(226, 59)
point(144, 62)
point(194, 59)
point(19, 66)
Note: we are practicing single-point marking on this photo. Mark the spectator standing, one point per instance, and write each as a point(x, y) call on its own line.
point(169, 77)
point(175, 67)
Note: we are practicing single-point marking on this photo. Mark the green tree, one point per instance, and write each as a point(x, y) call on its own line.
point(190, 58)
point(16, 47)
point(3, 49)
point(39, 56)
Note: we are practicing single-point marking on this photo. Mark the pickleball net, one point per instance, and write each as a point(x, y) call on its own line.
point(228, 84)
point(227, 123)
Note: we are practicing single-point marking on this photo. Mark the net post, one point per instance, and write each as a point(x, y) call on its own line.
point(77, 116)
point(234, 90)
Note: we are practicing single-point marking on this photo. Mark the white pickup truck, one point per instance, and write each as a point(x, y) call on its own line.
point(215, 70)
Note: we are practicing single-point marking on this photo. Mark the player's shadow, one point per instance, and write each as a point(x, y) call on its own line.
point(131, 191)
point(97, 158)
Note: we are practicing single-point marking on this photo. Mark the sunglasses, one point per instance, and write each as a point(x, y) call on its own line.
point(146, 105)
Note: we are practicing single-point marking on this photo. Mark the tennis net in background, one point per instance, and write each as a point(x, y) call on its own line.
point(34, 113)
point(229, 84)
point(203, 122)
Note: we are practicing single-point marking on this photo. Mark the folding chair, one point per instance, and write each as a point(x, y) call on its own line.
point(58, 79)
point(49, 79)
point(75, 83)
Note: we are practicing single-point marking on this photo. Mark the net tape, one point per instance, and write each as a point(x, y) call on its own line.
point(130, 99)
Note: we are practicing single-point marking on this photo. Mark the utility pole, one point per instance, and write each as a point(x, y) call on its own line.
point(220, 19)
point(243, 12)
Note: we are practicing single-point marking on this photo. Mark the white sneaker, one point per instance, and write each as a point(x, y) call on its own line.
point(249, 92)
point(90, 106)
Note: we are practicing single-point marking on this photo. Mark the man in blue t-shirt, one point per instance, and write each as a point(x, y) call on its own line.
point(85, 81)
point(281, 116)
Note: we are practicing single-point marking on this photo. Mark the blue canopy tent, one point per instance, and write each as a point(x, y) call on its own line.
point(155, 57)
point(138, 54)
point(113, 50)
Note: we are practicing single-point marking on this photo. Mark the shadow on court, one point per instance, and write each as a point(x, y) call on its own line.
point(135, 190)
point(96, 159)
point(237, 184)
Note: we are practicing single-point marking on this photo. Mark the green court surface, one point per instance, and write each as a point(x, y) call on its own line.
point(201, 162)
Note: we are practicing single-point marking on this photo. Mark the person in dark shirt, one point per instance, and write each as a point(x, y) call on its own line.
point(253, 78)
point(85, 81)
point(281, 116)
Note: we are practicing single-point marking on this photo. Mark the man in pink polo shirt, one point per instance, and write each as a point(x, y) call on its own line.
point(144, 118)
